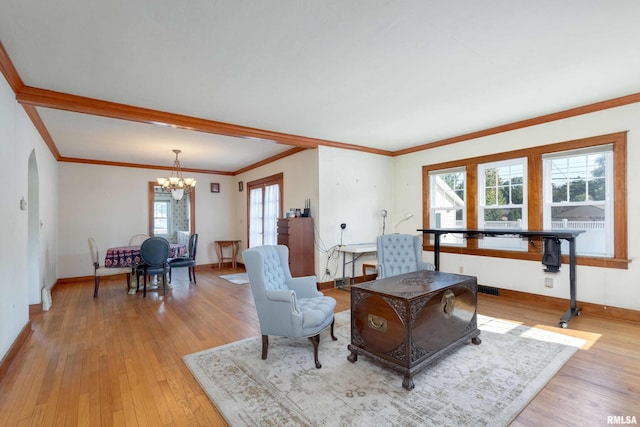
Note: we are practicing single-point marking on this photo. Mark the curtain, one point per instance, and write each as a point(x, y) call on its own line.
point(271, 207)
point(255, 217)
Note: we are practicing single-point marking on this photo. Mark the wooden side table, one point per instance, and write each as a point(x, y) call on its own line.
point(233, 244)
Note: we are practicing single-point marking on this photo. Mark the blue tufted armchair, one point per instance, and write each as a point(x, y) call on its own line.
point(399, 254)
point(287, 306)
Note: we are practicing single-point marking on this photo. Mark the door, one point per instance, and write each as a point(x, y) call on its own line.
point(264, 208)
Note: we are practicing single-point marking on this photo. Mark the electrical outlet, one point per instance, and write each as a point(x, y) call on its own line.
point(548, 282)
point(343, 282)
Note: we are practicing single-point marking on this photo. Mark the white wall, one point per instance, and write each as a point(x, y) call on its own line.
point(110, 204)
point(300, 172)
point(18, 139)
point(354, 188)
point(605, 286)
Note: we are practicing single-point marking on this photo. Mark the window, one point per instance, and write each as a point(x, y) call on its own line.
point(578, 194)
point(161, 217)
point(502, 190)
point(265, 206)
point(447, 208)
point(578, 184)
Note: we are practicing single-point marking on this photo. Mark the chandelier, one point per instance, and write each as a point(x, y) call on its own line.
point(176, 183)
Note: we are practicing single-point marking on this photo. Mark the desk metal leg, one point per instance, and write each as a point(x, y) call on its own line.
point(353, 270)
point(436, 251)
point(573, 308)
point(344, 265)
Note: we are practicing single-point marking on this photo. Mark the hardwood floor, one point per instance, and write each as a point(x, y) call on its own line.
point(116, 360)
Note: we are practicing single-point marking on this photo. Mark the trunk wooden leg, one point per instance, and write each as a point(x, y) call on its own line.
point(265, 346)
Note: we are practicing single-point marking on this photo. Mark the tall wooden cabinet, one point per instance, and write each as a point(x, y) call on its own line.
point(297, 235)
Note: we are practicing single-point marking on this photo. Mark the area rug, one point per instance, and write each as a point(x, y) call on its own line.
point(483, 385)
point(238, 279)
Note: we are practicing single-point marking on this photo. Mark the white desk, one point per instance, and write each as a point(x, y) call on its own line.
point(356, 252)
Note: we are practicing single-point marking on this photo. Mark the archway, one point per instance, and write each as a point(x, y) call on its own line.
point(33, 246)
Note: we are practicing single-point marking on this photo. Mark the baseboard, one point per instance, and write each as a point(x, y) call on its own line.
point(560, 304)
point(202, 267)
point(12, 354)
point(563, 304)
point(79, 279)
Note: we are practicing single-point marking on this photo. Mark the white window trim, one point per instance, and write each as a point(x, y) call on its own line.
point(503, 242)
point(548, 203)
point(434, 190)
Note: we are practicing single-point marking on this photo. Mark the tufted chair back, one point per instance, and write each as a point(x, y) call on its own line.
point(400, 254)
point(275, 276)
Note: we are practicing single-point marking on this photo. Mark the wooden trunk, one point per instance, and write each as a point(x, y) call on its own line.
point(407, 321)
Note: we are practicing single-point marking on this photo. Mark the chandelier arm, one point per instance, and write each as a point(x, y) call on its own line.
point(176, 183)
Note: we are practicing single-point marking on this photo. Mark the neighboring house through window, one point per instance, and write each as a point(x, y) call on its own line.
point(578, 194)
point(447, 209)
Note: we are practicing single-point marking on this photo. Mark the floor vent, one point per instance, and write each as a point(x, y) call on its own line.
point(488, 290)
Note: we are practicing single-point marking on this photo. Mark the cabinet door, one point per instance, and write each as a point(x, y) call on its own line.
point(300, 242)
point(283, 232)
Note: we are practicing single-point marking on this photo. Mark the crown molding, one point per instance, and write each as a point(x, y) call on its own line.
point(565, 114)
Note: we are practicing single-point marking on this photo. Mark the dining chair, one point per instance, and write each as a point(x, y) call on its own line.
point(100, 271)
point(137, 239)
point(189, 261)
point(154, 253)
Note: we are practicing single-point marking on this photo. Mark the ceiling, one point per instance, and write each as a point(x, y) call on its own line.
point(234, 82)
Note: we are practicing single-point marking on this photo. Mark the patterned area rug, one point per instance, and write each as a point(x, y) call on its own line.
point(238, 279)
point(487, 384)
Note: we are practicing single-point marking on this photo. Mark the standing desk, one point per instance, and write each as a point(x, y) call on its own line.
point(568, 235)
point(356, 252)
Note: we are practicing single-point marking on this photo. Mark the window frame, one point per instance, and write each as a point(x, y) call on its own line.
point(607, 203)
point(167, 205)
point(489, 242)
point(535, 173)
point(457, 239)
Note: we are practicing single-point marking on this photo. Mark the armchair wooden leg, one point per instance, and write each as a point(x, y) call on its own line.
point(316, 341)
point(96, 286)
point(265, 346)
point(333, 322)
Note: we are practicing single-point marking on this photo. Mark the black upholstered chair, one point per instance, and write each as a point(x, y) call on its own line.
point(189, 261)
point(154, 253)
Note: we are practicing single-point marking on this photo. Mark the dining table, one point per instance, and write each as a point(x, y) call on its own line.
point(129, 256)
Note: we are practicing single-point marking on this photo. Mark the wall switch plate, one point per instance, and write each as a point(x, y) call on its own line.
point(548, 282)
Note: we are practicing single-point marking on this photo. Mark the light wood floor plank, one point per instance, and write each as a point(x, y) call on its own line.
point(116, 360)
